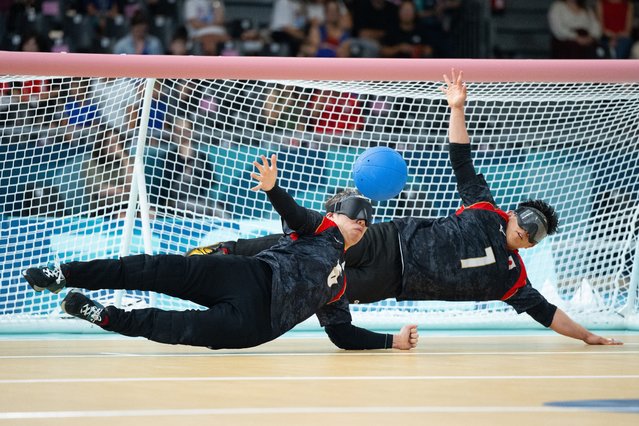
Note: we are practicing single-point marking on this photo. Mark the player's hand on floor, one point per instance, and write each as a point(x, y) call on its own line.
point(407, 338)
point(593, 339)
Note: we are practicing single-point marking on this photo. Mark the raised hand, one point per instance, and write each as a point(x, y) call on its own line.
point(455, 89)
point(267, 175)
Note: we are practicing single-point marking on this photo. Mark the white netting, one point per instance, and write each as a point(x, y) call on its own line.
point(69, 146)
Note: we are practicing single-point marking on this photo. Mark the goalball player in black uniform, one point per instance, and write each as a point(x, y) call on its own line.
point(471, 255)
point(249, 300)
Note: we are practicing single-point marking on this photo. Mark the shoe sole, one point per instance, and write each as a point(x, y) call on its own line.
point(63, 306)
point(199, 251)
point(53, 289)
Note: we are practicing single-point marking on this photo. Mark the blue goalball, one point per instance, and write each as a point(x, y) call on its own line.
point(380, 173)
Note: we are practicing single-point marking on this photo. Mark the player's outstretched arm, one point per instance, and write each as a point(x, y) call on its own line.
point(563, 324)
point(407, 337)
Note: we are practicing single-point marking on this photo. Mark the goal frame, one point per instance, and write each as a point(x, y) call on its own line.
point(284, 69)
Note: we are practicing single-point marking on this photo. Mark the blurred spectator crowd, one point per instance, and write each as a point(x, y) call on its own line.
point(326, 28)
point(590, 30)
point(323, 28)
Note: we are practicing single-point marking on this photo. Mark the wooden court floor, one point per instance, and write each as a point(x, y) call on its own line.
point(448, 380)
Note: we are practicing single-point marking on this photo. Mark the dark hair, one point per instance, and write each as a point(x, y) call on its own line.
point(348, 192)
point(139, 17)
point(43, 43)
point(547, 210)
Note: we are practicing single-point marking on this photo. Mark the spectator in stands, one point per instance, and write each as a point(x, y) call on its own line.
point(408, 39)
point(438, 18)
point(107, 176)
point(114, 97)
point(31, 98)
point(634, 51)
point(245, 38)
point(184, 96)
point(19, 14)
point(180, 43)
point(289, 26)
point(331, 38)
point(30, 91)
point(188, 176)
point(615, 19)
point(139, 41)
point(334, 112)
point(100, 12)
point(575, 30)
point(34, 42)
point(80, 110)
point(372, 20)
point(161, 7)
point(205, 22)
point(445, 12)
point(157, 112)
point(315, 11)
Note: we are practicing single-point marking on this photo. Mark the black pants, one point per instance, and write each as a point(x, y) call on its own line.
point(235, 289)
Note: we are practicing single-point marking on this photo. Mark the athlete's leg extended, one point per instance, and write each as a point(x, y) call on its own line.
point(239, 317)
point(225, 325)
point(241, 324)
point(205, 280)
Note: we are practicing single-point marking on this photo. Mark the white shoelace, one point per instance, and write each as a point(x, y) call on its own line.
point(91, 312)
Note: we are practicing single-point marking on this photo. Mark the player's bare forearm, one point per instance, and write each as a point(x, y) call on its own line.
point(457, 132)
point(407, 337)
point(455, 91)
point(563, 324)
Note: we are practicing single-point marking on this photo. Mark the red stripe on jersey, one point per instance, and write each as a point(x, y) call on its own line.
point(521, 281)
point(484, 205)
point(340, 294)
point(326, 224)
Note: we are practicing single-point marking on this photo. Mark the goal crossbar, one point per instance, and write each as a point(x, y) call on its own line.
point(347, 69)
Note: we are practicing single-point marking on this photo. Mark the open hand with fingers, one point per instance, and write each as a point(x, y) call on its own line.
point(267, 176)
point(455, 89)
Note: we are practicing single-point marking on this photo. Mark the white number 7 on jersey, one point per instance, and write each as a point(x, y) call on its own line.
point(475, 262)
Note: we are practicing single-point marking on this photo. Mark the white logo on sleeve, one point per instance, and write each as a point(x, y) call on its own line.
point(335, 273)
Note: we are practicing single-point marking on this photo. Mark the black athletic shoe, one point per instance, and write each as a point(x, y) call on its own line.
point(217, 248)
point(78, 305)
point(46, 277)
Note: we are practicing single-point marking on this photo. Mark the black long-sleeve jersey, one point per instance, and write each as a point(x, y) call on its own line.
point(308, 276)
point(462, 257)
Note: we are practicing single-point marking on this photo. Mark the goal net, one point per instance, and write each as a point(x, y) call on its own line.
point(101, 165)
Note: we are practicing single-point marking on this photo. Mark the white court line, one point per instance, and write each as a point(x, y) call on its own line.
point(609, 351)
point(310, 378)
point(287, 410)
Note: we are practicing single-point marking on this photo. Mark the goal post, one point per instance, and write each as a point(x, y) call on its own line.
point(109, 155)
